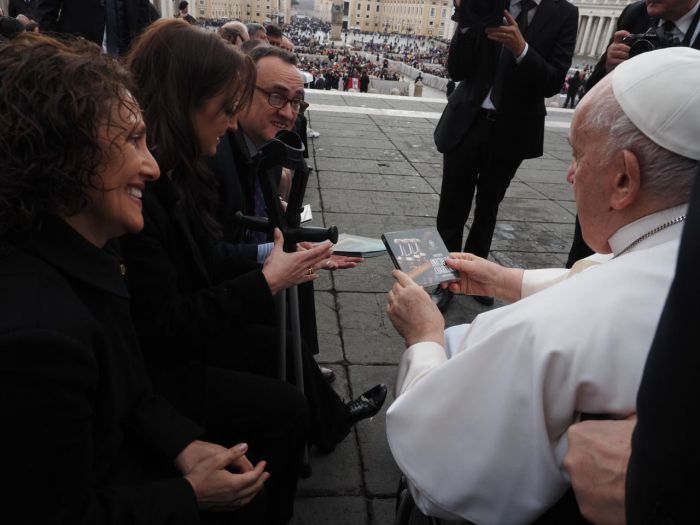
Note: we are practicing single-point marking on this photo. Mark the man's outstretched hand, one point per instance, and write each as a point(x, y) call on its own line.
point(413, 313)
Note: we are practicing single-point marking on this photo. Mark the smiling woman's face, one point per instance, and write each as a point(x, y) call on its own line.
point(115, 201)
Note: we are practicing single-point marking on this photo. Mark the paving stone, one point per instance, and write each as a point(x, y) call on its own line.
point(383, 511)
point(375, 225)
point(379, 166)
point(568, 205)
point(533, 210)
point(355, 142)
point(369, 132)
point(373, 275)
point(330, 511)
point(529, 260)
point(380, 203)
point(330, 346)
point(368, 336)
point(427, 169)
point(380, 471)
point(358, 153)
point(529, 176)
point(337, 473)
point(558, 192)
point(545, 164)
point(374, 182)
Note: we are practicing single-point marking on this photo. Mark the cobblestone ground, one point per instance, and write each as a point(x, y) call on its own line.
point(377, 170)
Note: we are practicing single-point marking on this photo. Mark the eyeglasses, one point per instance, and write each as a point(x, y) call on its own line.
point(277, 100)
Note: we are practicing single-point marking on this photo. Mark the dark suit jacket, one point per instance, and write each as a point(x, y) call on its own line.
point(662, 478)
point(83, 434)
point(634, 18)
point(520, 125)
point(86, 18)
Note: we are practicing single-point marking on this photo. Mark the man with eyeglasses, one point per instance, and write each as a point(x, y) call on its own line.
point(275, 106)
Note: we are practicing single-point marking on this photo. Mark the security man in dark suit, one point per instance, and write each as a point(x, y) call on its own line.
point(506, 63)
point(676, 23)
point(112, 24)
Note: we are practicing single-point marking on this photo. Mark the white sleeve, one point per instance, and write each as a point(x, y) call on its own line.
point(416, 361)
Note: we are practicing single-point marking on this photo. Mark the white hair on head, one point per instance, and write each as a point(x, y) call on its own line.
point(664, 174)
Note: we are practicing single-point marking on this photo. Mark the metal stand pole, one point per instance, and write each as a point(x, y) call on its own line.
point(281, 304)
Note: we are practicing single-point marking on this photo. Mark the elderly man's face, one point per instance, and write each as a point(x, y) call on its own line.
point(592, 177)
point(669, 9)
point(261, 121)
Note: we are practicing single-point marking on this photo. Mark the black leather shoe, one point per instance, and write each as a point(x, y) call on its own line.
point(483, 299)
point(441, 297)
point(368, 404)
point(327, 373)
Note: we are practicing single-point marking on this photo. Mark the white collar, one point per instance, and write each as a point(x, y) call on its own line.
point(683, 23)
point(632, 231)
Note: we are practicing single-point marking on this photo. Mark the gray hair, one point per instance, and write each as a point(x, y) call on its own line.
point(664, 174)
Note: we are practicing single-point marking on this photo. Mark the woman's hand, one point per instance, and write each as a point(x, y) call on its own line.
point(282, 270)
point(479, 276)
point(217, 488)
point(335, 262)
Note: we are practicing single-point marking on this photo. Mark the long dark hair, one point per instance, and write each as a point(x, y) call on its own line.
point(54, 96)
point(177, 69)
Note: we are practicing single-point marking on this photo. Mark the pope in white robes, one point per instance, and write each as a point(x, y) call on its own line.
point(479, 423)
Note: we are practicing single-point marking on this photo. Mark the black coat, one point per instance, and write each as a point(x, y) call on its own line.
point(472, 57)
point(634, 18)
point(184, 295)
point(84, 438)
point(662, 478)
point(86, 18)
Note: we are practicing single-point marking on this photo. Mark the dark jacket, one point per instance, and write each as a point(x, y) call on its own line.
point(472, 62)
point(86, 18)
point(85, 438)
point(634, 18)
point(183, 293)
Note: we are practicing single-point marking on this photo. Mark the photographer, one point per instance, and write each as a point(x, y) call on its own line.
point(507, 62)
point(661, 23)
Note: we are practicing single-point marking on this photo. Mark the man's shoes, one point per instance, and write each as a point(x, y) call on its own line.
point(327, 373)
point(483, 299)
point(368, 404)
point(441, 297)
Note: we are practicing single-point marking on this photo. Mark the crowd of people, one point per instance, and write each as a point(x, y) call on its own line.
point(140, 335)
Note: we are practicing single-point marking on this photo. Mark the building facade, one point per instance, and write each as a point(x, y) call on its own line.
point(597, 20)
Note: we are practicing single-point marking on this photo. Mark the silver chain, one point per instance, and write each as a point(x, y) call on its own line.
point(648, 234)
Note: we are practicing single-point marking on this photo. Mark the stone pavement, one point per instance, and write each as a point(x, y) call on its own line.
point(377, 170)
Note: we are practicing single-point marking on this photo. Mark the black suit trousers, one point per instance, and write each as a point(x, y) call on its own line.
point(478, 164)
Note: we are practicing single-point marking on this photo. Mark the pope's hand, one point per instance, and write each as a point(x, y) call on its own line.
point(413, 313)
point(478, 276)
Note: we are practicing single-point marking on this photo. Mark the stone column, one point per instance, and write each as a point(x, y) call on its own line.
point(596, 38)
point(586, 36)
point(582, 33)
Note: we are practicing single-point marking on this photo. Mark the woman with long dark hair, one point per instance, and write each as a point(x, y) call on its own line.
point(207, 322)
point(85, 438)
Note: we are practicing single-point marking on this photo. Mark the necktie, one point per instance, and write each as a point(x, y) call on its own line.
point(669, 32)
point(522, 20)
point(506, 59)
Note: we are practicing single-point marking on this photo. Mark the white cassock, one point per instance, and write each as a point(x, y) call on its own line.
point(478, 427)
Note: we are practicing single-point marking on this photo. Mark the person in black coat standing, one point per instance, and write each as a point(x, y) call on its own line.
point(111, 24)
point(88, 440)
point(495, 117)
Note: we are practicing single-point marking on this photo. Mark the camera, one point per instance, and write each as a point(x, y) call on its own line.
point(483, 13)
point(643, 42)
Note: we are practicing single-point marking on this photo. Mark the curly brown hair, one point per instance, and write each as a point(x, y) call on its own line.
point(54, 96)
point(177, 69)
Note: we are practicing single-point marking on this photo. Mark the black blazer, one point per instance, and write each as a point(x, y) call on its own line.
point(662, 477)
point(83, 433)
point(472, 61)
point(183, 293)
point(634, 18)
point(86, 18)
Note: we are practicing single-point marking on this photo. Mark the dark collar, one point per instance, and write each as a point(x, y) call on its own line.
point(59, 245)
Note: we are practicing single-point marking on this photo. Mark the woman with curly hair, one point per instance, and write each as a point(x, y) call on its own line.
point(86, 440)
